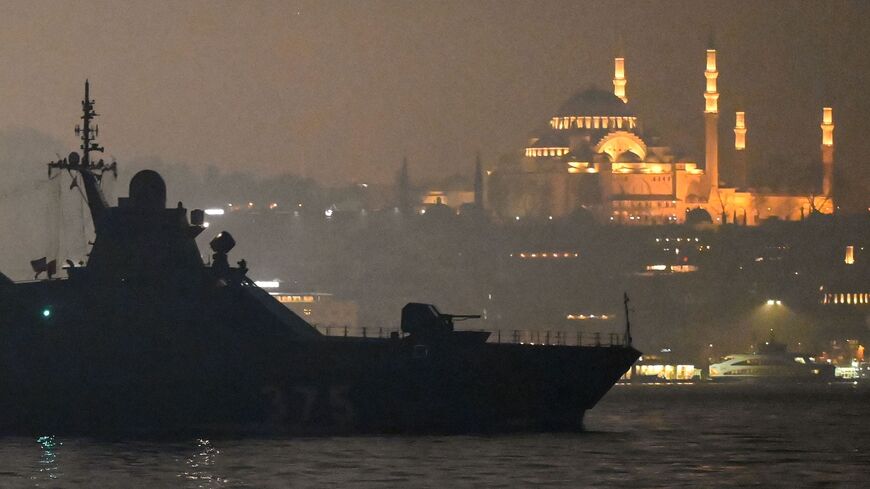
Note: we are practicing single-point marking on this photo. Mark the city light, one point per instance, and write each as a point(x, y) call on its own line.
point(554, 254)
point(215, 212)
point(850, 255)
point(584, 317)
point(267, 284)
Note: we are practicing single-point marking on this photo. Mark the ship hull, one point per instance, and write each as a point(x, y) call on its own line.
point(453, 389)
point(325, 389)
point(121, 366)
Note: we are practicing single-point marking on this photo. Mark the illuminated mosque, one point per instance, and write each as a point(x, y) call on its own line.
point(594, 158)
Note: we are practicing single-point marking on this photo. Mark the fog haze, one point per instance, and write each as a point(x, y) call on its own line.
point(341, 91)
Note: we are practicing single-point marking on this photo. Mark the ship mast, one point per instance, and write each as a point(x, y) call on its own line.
point(91, 173)
point(88, 135)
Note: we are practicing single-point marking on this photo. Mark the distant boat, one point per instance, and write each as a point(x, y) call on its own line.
point(772, 363)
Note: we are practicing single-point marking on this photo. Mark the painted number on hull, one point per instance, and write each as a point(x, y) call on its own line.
point(305, 404)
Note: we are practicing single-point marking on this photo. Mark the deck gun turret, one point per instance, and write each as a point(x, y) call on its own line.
point(425, 321)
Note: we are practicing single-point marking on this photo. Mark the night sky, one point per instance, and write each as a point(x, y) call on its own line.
point(341, 91)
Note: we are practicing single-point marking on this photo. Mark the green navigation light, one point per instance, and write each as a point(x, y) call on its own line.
point(46, 313)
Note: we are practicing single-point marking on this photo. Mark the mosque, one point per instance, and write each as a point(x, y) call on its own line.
point(594, 158)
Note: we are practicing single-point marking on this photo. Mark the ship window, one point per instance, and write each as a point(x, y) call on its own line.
point(763, 361)
point(753, 361)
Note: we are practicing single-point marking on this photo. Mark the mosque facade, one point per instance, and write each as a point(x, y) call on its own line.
point(593, 158)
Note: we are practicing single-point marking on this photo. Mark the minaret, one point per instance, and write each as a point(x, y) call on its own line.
point(478, 183)
point(740, 180)
point(828, 151)
point(619, 78)
point(711, 122)
point(403, 188)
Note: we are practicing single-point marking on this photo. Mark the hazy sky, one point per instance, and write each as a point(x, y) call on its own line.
point(342, 90)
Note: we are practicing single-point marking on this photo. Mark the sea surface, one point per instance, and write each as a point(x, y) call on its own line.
point(638, 436)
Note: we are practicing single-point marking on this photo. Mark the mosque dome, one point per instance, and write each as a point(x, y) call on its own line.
point(581, 153)
point(548, 145)
point(698, 216)
point(594, 102)
point(549, 140)
point(628, 157)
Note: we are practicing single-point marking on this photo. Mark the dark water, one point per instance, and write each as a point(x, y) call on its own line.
point(656, 436)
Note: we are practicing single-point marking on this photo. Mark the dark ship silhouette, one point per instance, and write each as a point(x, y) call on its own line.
point(146, 339)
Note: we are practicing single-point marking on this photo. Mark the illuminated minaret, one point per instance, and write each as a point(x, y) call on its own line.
point(828, 151)
point(711, 121)
point(740, 150)
point(619, 78)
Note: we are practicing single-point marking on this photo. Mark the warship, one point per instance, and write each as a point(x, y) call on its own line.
point(148, 339)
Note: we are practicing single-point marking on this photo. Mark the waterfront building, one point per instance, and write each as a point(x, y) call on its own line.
point(321, 309)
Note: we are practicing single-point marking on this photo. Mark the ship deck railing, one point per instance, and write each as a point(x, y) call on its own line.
point(508, 337)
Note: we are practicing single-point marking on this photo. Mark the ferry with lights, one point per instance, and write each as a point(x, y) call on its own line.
point(771, 363)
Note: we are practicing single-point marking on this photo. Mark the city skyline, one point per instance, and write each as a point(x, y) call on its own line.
point(341, 92)
point(434, 243)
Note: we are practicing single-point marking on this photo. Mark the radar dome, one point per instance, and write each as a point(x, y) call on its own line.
point(148, 190)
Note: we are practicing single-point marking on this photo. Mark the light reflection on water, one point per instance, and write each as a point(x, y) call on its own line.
point(48, 469)
point(659, 436)
point(202, 466)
